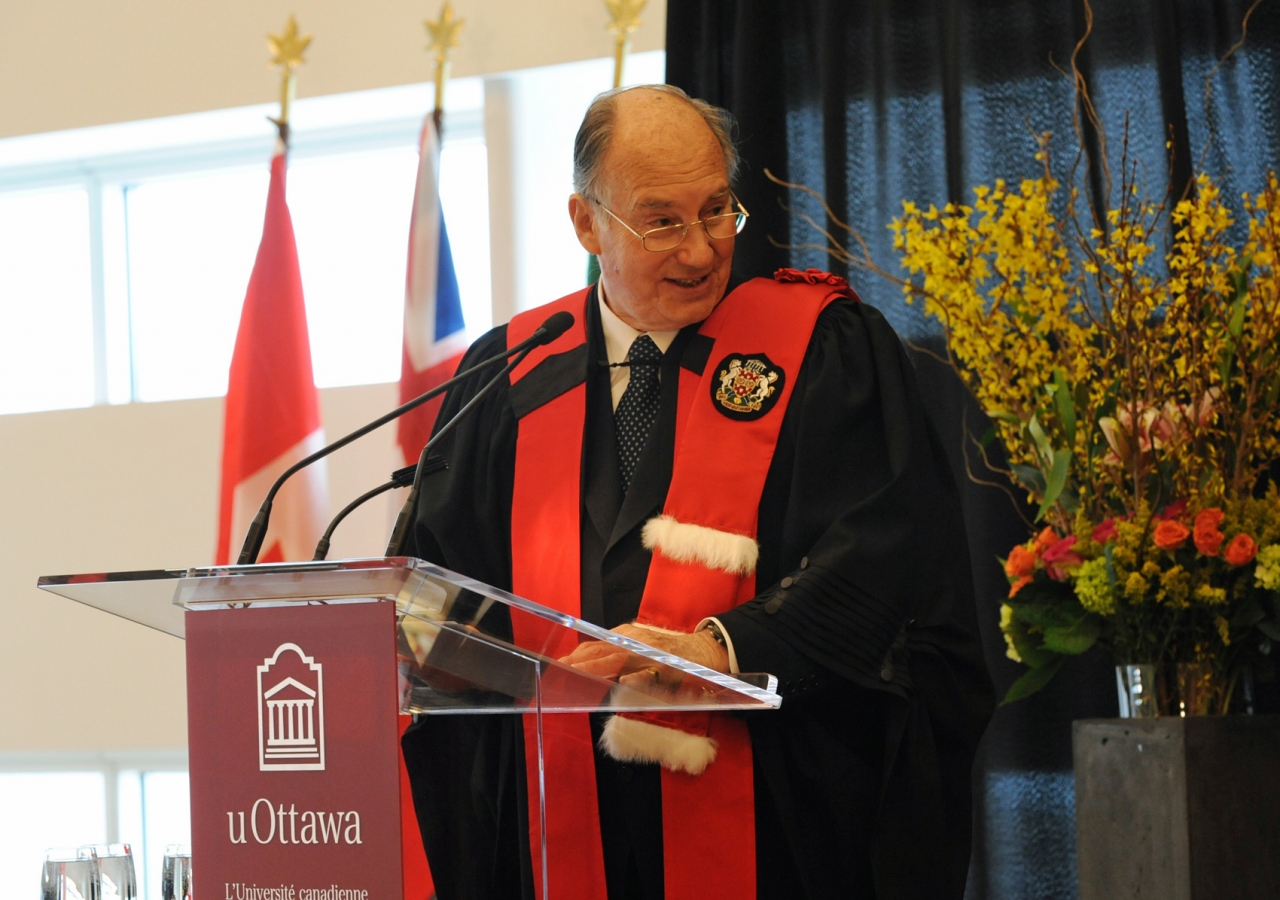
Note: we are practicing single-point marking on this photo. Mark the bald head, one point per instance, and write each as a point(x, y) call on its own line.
point(654, 113)
point(648, 161)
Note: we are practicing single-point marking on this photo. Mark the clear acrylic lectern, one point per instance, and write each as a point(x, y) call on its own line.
point(456, 651)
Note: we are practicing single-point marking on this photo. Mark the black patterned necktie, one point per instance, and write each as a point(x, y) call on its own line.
point(638, 408)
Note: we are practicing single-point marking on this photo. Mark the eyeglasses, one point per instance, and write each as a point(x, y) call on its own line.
point(659, 240)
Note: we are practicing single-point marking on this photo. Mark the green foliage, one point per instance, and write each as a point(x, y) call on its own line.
point(1034, 679)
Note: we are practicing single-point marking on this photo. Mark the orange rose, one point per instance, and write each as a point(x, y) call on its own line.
point(1019, 584)
point(1209, 519)
point(1045, 539)
point(1021, 563)
point(1170, 535)
point(1241, 550)
point(1207, 536)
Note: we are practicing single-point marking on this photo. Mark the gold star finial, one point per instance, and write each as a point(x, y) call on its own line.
point(286, 52)
point(624, 18)
point(287, 49)
point(444, 37)
point(444, 31)
point(625, 15)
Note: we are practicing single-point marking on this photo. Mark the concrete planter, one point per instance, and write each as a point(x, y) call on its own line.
point(1178, 809)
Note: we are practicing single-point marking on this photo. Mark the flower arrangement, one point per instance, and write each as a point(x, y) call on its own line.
point(1190, 585)
point(1136, 396)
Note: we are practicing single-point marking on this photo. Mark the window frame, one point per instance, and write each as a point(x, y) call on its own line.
point(106, 161)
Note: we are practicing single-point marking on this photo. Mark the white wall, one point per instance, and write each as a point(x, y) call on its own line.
point(118, 488)
point(121, 487)
point(74, 63)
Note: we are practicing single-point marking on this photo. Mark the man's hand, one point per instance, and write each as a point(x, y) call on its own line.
point(700, 647)
point(612, 662)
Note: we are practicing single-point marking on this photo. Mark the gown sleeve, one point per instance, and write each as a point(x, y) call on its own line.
point(467, 772)
point(862, 541)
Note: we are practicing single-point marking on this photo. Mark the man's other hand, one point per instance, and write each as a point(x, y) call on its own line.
point(700, 647)
point(613, 662)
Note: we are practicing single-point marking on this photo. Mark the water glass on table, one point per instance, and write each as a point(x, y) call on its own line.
point(70, 873)
point(117, 877)
point(175, 875)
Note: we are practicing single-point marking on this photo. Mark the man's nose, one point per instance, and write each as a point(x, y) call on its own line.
point(696, 248)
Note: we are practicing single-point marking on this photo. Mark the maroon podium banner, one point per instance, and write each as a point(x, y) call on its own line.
point(294, 753)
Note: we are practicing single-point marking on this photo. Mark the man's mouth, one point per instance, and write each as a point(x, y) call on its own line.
point(689, 282)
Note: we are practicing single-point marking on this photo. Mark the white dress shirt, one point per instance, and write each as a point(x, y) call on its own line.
point(618, 337)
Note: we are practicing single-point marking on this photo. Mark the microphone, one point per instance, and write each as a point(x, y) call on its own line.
point(399, 478)
point(555, 325)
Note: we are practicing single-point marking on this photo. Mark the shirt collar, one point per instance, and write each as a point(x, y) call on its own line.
point(618, 335)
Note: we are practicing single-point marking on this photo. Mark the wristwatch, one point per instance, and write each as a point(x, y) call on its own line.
point(717, 634)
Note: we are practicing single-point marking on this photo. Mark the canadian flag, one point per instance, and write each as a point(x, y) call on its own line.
point(272, 415)
point(435, 335)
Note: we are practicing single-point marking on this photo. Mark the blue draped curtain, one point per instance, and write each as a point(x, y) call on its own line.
point(873, 102)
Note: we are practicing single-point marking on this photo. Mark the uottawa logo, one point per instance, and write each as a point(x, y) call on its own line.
point(290, 711)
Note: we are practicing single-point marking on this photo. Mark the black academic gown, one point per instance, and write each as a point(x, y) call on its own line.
point(865, 613)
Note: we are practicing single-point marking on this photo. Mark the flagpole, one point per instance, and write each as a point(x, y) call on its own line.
point(286, 51)
point(444, 37)
point(624, 18)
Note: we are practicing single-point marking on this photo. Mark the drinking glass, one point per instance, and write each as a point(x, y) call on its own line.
point(175, 874)
point(70, 873)
point(116, 875)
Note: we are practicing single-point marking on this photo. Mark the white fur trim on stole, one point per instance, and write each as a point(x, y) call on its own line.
point(684, 543)
point(636, 741)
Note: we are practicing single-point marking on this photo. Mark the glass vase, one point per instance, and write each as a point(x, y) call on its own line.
point(1136, 691)
point(1200, 690)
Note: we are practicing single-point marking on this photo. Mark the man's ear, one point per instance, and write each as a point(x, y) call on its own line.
point(584, 223)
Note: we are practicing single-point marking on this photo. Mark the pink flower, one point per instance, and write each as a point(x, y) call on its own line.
point(1057, 557)
point(1155, 427)
point(1104, 531)
point(1060, 550)
point(1117, 440)
point(1173, 510)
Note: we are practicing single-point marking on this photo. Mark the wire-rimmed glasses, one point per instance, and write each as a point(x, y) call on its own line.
point(660, 240)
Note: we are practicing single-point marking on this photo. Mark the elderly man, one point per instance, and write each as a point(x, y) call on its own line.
point(741, 475)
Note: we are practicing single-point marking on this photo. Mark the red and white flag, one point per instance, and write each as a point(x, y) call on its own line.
point(435, 335)
point(272, 416)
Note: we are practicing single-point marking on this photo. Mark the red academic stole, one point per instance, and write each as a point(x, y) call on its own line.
point(704, 550)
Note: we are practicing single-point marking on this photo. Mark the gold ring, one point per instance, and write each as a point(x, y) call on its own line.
point(657, 675)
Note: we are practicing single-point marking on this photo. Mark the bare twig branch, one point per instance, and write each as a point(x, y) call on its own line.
point(1208, 82)
point(1003, 487)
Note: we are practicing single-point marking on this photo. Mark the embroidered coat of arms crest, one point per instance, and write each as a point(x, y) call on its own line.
point(746, 385)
